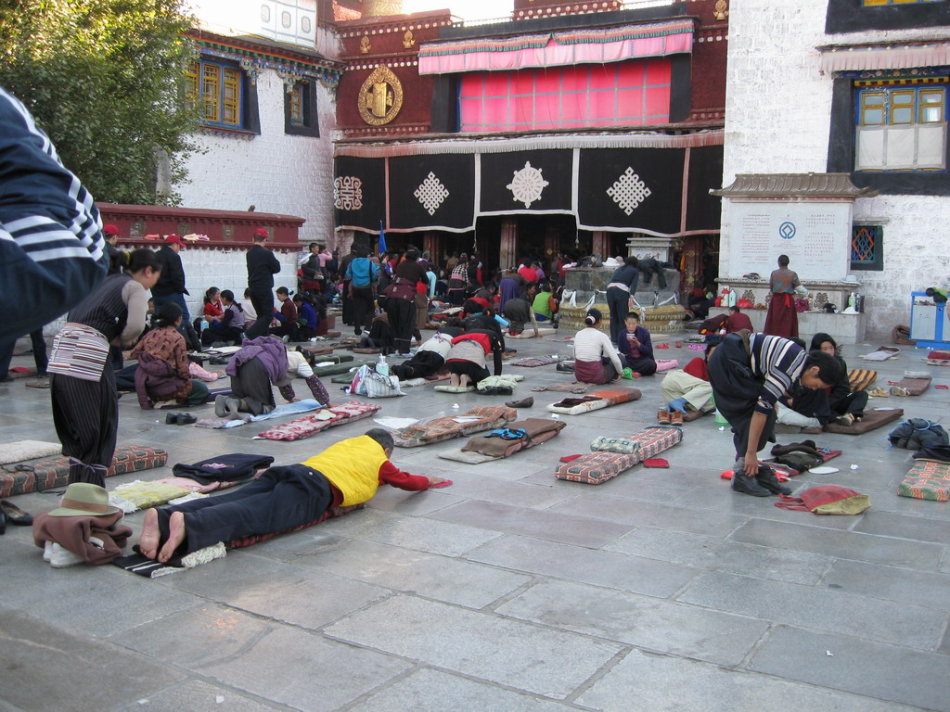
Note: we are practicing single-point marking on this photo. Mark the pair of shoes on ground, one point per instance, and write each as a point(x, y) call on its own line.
point(764, 484)
point(899, 391)
point(846, 419)
point(180, 419)
point(669, 417)
point(60, 557)
point(878, 393)
point(14, 515)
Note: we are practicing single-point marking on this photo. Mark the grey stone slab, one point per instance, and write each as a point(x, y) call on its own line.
point(896, 525)
point(491, 489)
point(532, 658)
point(198, 695)
point(292, 594)
point(46, 668)
point(592, 502)
point(844, 545)
point(822, 609)
point(665, 684)
point(651, 623)
point(846, 663)
point(567, 528)
point(451, 580)
point(930, 590)
point(429, 690)
point(713, 553)
point(574, 563)
point(423, 534)
point(271, 661)
point(391, 499)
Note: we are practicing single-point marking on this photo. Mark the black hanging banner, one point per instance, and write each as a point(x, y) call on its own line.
point(359, 193)
point(631, 188)
point(526, 182)
point(704, 211)
point(432, 192)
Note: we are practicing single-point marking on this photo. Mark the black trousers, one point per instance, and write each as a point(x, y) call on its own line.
point(402, 319)
point(263, 303)
point(618, 302)
point(361, 307)
point(252, 385)
point(281, 498)
point(424, 363)
point(737, 390)
point(86, 418)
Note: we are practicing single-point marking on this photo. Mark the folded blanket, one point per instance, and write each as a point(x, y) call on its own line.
point(915, 386)
point(516, 436)
point(594, 401)
point(535, 361)
point(927, 479)
point(23, 450)
point(454, 426)
point(140, 494)
point(861, 378)
point(285, 409)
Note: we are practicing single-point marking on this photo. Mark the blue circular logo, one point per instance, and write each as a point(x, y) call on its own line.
point(787, 230)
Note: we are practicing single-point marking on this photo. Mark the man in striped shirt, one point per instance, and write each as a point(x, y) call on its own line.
point(749, 373)
point(52, 252)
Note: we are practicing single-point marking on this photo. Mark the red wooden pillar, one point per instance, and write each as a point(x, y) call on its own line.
point(601, 243)
point(509, 244)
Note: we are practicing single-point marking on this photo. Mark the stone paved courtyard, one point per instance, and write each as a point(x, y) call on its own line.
point(509, 591)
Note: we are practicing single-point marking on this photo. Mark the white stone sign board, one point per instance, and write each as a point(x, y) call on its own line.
point(816, 236)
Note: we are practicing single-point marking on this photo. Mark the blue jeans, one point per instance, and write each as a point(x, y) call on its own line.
point(178, 299)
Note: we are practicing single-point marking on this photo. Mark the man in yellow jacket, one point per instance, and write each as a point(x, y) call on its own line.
point(347, 473)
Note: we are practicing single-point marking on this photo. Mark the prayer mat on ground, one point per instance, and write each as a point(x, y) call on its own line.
point(364, 350)
point(594, 401)
point(335, 368)
point(321, 420)
point(140, 494)
point(506, 441)
point(191, 485)
point(455, 389)
point(331, 513)
point(938, 358)
point(784, 471)
point(475, 420)
point(873, 419)
point(927, 479)
point(321, 350)
point(616, 455)
point(565, 387)
point(346, 378)
point(915, 386)
point(536, 361)
point(861, 378)
point(883, 353)
point(21, 450)
point(508, 380)
point(529, 333)
point(141, 565)
point(53, 472)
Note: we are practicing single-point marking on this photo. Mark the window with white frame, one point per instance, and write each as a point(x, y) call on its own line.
point(901, 125)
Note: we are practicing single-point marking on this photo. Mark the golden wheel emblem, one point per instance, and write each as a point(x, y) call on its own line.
point(380, 97)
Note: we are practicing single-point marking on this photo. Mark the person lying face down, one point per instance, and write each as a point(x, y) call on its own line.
point(345, 474)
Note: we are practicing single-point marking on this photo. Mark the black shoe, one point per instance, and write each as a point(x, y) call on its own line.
point(748, 485)
point(186, 419)
point(14, 514)
point(3, 523)
point(171, 419)
point(767, 479)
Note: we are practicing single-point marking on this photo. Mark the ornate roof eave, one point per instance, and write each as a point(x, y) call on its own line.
point(268, 53)
point(794, 186)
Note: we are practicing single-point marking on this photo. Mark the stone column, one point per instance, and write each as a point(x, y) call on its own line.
point(509, 244)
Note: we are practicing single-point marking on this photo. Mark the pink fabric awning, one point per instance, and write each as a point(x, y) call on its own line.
point(555, 49)
point(842, 59)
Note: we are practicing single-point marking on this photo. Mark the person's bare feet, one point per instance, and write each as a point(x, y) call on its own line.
point(149, 539)
point(176, 535)
point(454, 380)
point(464, 380)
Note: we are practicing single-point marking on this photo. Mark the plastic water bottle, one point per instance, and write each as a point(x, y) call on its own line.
point(382, 367)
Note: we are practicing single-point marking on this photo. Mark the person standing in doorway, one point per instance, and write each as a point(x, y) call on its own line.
point(262, 265)
point(782, 318)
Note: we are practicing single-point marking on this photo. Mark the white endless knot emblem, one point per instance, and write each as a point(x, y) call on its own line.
point(431, 193)
point(527, 185)
point(628, 191)
point(347, 193)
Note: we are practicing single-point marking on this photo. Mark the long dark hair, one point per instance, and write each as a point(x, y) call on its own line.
point(142, 258)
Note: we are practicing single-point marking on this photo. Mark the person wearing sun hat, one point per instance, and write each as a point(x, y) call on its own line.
point(84, 524)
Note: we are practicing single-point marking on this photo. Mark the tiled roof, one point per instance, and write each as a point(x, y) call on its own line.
point(794, 185)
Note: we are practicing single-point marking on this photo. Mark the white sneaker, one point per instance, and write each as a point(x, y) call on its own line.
point(47, 551)
point(60, 558)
